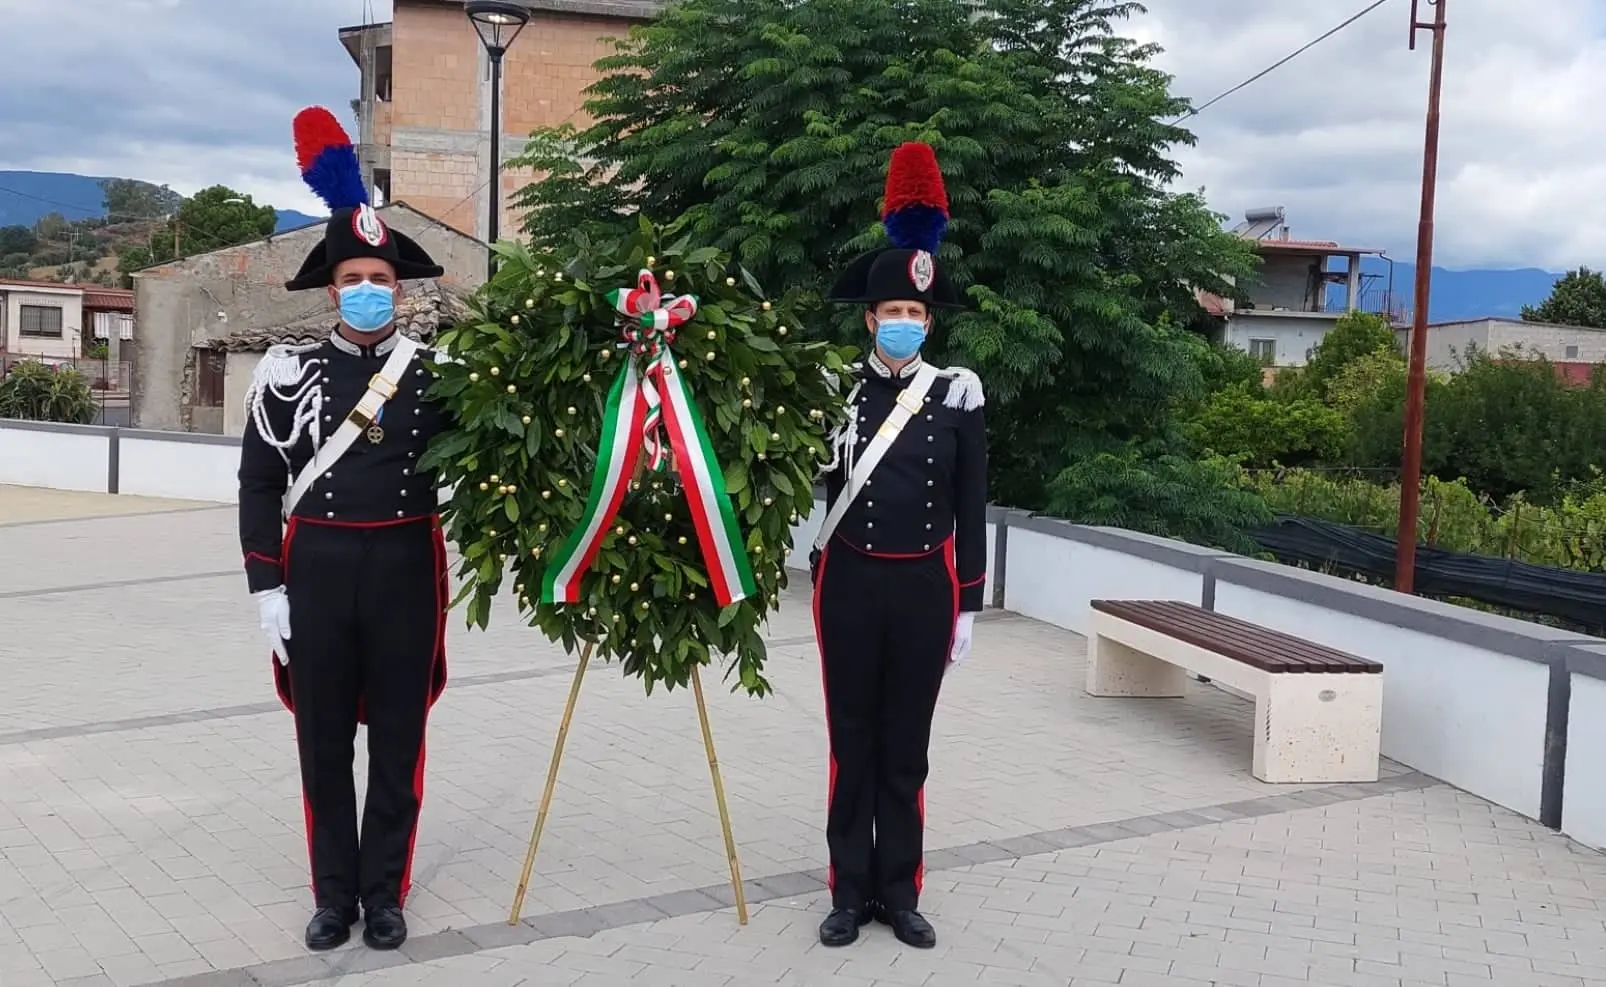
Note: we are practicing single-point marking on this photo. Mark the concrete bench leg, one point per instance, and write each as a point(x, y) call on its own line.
point(1113, 669)
point(1318, 728)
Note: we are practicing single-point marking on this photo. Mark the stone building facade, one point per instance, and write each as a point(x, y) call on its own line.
point(187, 309)
point(424, 107)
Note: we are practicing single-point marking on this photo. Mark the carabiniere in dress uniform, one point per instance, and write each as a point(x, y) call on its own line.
point(899, 563)
point(344, 551)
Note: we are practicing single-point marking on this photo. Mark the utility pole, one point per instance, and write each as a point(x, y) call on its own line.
point(1416, 385)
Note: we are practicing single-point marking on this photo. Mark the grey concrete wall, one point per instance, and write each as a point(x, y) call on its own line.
point(184, 304)
point(1284, 282)
point(1551, 341)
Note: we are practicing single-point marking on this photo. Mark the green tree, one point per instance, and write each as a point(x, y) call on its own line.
point(1222, 367)
point(1578, 299)
point(1157, 492)
point(217, 217)
point(128, 200)
point(1510, 424)
point(138, 256)
point(1243, 425)
point(1356, 381)
point(1353, 336)
point(1507, 423)
point(51, 227)
point(768, 123)
point(17, 240)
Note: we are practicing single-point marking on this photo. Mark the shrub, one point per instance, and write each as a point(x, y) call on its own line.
point(35, 391)
point(1240, 424)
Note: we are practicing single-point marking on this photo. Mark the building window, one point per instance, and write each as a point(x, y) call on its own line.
point(107, 322)
point(1264, 350)
point(39, 321)
point(1572, 352)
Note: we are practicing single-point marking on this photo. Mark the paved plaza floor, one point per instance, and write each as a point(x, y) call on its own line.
point(151, 819)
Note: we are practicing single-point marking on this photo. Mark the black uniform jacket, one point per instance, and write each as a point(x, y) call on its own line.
point(312, 390)
point(931, 484)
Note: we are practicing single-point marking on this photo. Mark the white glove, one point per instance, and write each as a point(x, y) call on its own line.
point(962, 634)
point(273, 609)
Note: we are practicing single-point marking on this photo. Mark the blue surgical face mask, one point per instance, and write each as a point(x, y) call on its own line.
point(367, 307)
point(900, 339)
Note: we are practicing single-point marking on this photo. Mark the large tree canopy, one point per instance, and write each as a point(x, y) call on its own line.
point(1578, 299)
point(769, 124)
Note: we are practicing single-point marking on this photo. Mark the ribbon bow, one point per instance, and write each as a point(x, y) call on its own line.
point(654, 318)
point(645, 402)
point(649, 331)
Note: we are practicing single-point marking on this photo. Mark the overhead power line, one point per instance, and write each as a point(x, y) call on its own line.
point(1278, 64)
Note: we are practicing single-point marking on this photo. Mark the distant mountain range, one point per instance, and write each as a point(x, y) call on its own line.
point(1454, 295)
point(27, 196)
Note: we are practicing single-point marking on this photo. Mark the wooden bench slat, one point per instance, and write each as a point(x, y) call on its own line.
point(1298, 654)
point(1250, 643)
point(1256, 646)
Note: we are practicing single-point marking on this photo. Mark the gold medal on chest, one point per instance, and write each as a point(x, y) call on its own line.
point(376, 434)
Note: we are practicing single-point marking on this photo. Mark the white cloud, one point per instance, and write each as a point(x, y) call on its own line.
point(187, 93)
point(1336, 135)
point(197, 92)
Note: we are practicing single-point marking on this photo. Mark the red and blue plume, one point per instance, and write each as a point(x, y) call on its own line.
point(915, 213)
point(327, 159)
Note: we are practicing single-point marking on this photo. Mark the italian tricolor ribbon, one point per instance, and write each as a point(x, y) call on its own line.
point(650, 397)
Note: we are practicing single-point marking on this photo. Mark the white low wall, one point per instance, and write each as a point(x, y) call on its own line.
point(1508, 710)
point(60, 457)
point(1472, 714)
point(177, 465)
point(155, 466)
point(1584, 809)
point(1053, 578)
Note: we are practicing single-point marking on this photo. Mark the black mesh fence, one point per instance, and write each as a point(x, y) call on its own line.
point(1575, 598)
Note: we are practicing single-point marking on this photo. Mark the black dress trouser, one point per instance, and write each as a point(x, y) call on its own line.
point(885, 627)
point(365, 615)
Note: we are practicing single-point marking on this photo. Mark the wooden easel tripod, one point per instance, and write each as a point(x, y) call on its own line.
point(552, 780)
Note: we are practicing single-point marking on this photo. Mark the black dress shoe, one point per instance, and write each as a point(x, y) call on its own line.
point(386, 929)
point(909, 926)
point(841, 927)
point(330, 927)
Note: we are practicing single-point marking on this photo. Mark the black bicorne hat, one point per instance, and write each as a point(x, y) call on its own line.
point(360, 232)
point(915, 216)
point(329, 166)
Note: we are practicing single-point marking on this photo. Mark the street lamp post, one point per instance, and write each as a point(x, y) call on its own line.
point(497, 22)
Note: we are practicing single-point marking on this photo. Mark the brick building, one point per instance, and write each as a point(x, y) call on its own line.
point(424, 105)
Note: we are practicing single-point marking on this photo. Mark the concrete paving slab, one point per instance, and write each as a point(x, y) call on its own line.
point(151, 822)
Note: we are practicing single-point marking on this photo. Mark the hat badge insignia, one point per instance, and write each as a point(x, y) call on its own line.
point(922, 270)
point(370, 229)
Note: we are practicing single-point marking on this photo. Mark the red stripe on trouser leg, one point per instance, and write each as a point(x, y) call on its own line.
point(819, 637)
point(920, 869)
point(281, 686)
point(306, 819)
point(920, 797)
point(435, 683)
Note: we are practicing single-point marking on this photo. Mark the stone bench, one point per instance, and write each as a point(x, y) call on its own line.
point(1318, 712)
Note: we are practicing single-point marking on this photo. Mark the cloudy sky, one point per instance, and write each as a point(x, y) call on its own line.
point(196, 92)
